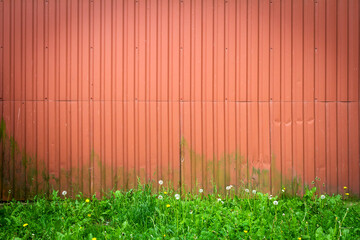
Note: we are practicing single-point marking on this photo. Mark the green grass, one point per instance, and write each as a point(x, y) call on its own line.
point(140, 214)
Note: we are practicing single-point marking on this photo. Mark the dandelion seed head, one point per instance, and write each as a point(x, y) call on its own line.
point(177, 196)
point(160, 197)
point(64, 193)
point(247, 190)
point(275, 203)
point(201, 190)
point(254, 191)
point(322, 196)
point(161, 182)
point(219, 199)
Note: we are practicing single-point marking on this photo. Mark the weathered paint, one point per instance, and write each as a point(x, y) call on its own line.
point(96, 94)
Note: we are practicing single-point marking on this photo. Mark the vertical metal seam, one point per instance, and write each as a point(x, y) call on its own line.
point(337, 98)
point(180, 100)
point(169, 138)
point(12, 56)
point(258, 89)
point(2, 150)
point(190, 104)
point(280, 104)
point(158, 136)
point(347, 92)
point(247, 95)
point(292, 94)
point(147, 177)
point(79, 97)
point(271, 21)
point(325, 49)
point(116, 98)
point(359, 93)
point(201, 93)
point(225, 49)
point(314, 86)
point(123, 96)
point(302, 93)
point(236, 97)
point(212, 89)
point(35, 95)
point(135, 103)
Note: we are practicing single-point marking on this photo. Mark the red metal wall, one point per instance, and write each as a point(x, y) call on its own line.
point(95, 93)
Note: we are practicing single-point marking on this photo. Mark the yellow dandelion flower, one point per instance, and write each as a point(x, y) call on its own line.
point(93, 239)
point(245, 231)
point(89, 215)
point(165, 192)
point(62, 217)
point(80, 227)
point(25, 225)
point(299, 238)
point(164, 235)
point(167, 205)
point(87, 200)
point(345, 187)
point(347, 194)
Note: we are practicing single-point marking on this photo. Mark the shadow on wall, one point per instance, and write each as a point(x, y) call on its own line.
point(22, 176)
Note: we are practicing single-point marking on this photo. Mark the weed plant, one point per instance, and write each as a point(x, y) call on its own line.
point(145, 214)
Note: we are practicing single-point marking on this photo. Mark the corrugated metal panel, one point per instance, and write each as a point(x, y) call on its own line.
point(95, 93)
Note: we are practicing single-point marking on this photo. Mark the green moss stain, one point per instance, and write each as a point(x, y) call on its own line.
point(209, 172)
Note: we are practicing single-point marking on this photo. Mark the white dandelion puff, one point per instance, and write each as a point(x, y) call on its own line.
point(247, 190)
point(160, 197)
point(270, 197)
point(228, 188)
point(161, 182)
point(201, 190)
point(322, 196)
point(64, 193)
point(254, 191)
point(177, 196)
point(275, 203)
point(219, 200)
